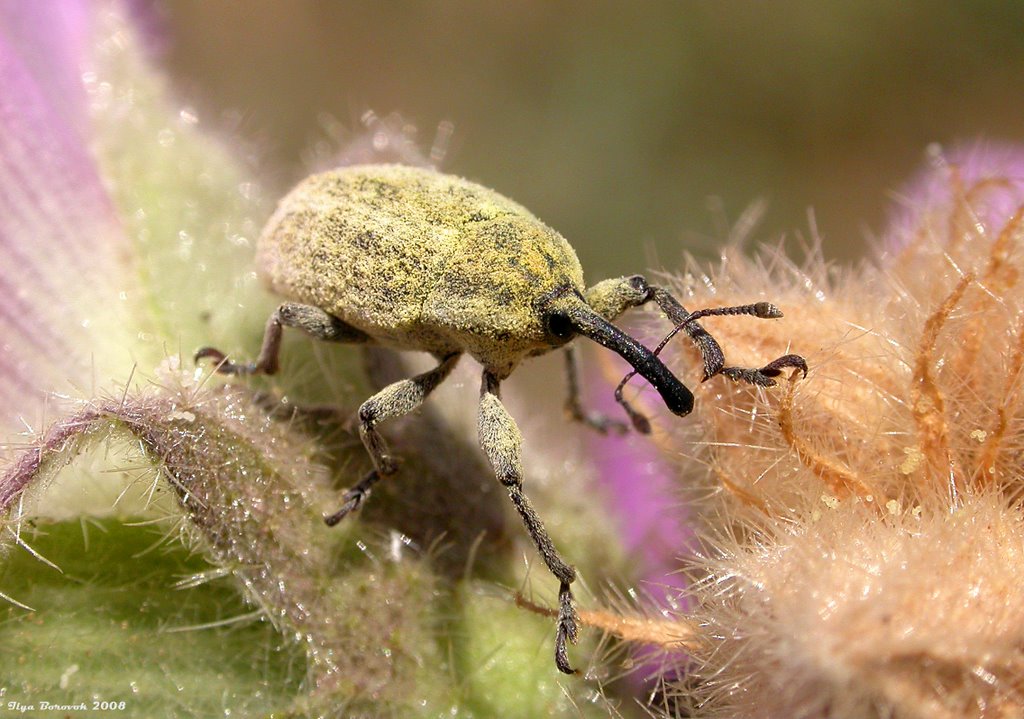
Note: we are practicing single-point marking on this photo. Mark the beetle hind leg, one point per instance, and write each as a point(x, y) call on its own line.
point(397, 399)
point(312, 320)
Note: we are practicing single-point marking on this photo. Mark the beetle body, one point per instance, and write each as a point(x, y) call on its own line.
point(419, 260)
point(416, 260)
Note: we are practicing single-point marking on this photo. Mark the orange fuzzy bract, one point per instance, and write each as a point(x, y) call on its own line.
point(863, 534)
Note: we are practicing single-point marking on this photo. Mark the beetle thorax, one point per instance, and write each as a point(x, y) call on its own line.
point(491, 293)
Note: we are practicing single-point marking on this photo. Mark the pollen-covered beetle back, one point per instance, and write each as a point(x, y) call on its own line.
point(416, 259)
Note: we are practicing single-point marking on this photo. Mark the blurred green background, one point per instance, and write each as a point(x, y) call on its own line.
point(637, 129)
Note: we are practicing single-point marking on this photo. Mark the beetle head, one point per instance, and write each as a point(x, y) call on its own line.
point(567, 314)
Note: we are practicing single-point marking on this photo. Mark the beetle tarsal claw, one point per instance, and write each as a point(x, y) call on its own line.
point(222, 365)
point(218, 357)
point(354, 497)
point(353, 500)
point(775, 367)
point(765, 376)
point(568, 629)
point(600, 422)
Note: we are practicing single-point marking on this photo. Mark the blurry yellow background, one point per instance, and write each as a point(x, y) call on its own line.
point(616, 122)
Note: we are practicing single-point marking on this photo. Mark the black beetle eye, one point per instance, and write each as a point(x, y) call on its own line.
point(639, 283)
point(560, 326)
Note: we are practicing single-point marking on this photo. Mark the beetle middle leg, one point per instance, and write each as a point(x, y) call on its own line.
point(395, 400)
point(502, 443)
point(311, 320)
point(573, 405)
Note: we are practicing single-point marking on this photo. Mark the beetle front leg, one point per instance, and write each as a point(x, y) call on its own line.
point(573, 406)
point(613, 297)
point(502, 443)
point(711, 352)
point(395, 400)
point(311, 320)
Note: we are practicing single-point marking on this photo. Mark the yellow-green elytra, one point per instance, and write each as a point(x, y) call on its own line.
point(419, 260)
point(414, 259)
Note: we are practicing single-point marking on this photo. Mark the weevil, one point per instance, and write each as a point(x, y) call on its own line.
point(413, 259)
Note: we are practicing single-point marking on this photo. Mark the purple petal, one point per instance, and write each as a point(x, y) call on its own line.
point(988, 176)
point(62, 250)
point(51, 38)
point(640, 487)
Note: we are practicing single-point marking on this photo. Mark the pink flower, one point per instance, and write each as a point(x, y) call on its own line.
point(986, 177)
